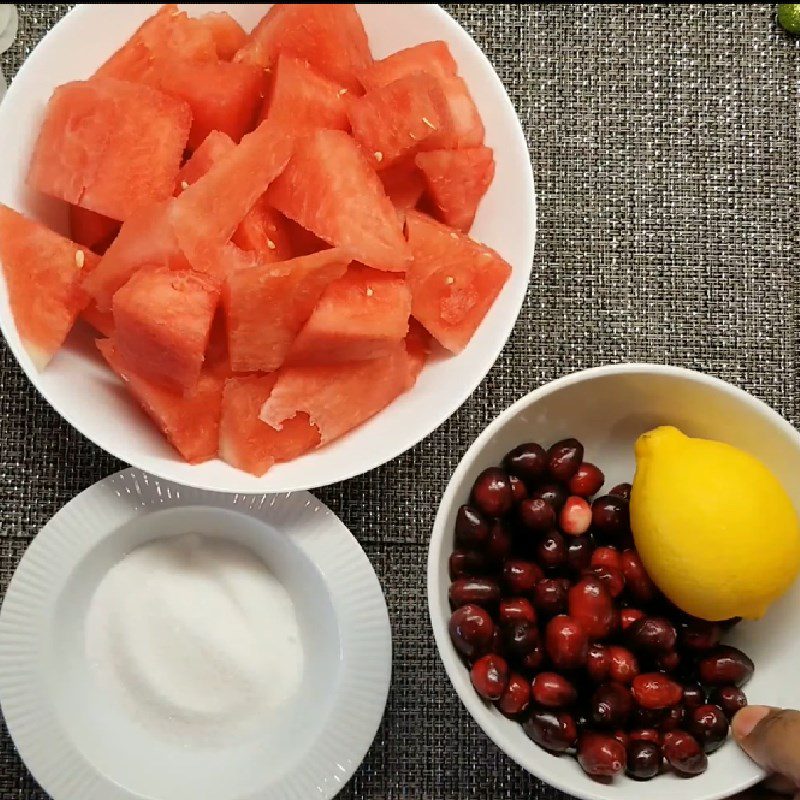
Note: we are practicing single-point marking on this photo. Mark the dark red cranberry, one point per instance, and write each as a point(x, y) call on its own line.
point(586, 481)
point(520, 637)
point(534, 658)
point(491, 492)
point(698, 635)
point(537, 514)
point(598, 662)
point(472, 530)
point(652, 635)
point(601, 756)
point(518, 489)
point(645, 735)
point(516, 696)
point(555, 731)
point(668, 662)
point(566, 642)
point(564, 458)
point(684, 754)
point(466, 563)
point(726, 666)
point(575, 517)
point(552, 690)
point(623, 491)
point(579, 553)
point(498, 548)
point(637, 581)
point(527, 461)
point(610, 516)
point(623, 667)
point(516, 609)
point(471, 629)
point(611, 579)
point(489, 676)
point(607, 557)
point(590, 605)
point(693, 696)
point(611, 705)
point(673, 719)
point(729, 699)
point(553, 493)
point(550, 596)
point(480, 591)
point(551, 550)
point(709, 725)
point(520, 577)
point(630, 615)
point(644, 760)
point(656, 691)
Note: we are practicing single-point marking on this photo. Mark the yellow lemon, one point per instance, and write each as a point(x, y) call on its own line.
point(714, 527)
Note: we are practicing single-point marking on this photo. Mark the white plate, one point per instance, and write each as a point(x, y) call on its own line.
point(83, 391)
point(80, 743)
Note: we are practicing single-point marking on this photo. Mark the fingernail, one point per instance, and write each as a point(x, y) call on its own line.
point(746, 720)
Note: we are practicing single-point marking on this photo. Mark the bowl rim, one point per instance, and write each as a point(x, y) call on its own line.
point(174, 468)
point(437, 609)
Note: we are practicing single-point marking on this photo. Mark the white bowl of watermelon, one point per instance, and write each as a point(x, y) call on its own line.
point(273, 280)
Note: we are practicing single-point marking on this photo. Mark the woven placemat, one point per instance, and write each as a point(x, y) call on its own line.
point(664, 141)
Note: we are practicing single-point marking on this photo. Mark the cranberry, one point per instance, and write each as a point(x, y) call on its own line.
point(640, 587)
point(564, 458)
point(516, 696)
point(709, 725)
point(521, 577)
point(498, 548)
point(630, 615)
point(472, 529)
point(553, 690)
point(673, 719)
point(684, 754)
point(598, 662)
point(590, 604)
point(576, 516)
point(586, 481)
point(656, 691)
point(726, 665)
point(607, 557)
point(693, 696)
point(471, 629)
point(579, 553)
point(623, 491)
point(491, 492)
point(489, 676)
point(644, 760)
point(537, 514)
point(553, 493)
point(652, 635)
point(645, 735)
point(601, 756)
point(480, 591)
point(526, 461)
point(729, 699)
point(516, 609)
point(518, 489)
point(556, 731)
point(466, 563)
point(534, 658)
point(521, 637)
point(566, 642)
point(611, 705)
point(699, 635)
point(551, 550)
point(668, 662)
point(623, 666)
point(550, 596)
point(611, 578)
point(610, 516)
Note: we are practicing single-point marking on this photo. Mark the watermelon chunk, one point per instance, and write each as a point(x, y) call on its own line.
point(214, 147)
point(263, 230)
point(92, 230)
point(453, 280)
point(418, 347)
point(431, 57)
point(190, 422)
point(403, 183)
point(101, 321)
point(401, 118)
point(337, 397)
point(467, 125)
point(248, 443)
point(329, 36)
point(265, 306)
point(456, 182)
point(303, 99)
point(110, 146)
point(162, 320)
point(228, 35)
point(330, 189)
point(362, 315)
point(43, 272)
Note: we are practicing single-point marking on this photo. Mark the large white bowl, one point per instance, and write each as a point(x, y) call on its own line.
point(606, 409)
point(85, 393)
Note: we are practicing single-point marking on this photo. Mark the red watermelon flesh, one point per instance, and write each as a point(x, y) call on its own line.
point(401, 118)
point(329, 36)
point(468, 130)
point(457, 181)
point(330, 189)
point(110, 146)
point(92, 230)
point(214, 147)
point(101, 321)
point(190, 422)
point(403, 183)
point(303, 99)
point(228, 35)
point(265, 307)
point(453, 280)
point(431, 57)
point(362, 315)
point(248, 443)
point(263, 230)
point(162, 320)
point(418, 346)
point(43, 272)
point(337, 397)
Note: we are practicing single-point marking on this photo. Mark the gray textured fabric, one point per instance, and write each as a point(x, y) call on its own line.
point(664, 141)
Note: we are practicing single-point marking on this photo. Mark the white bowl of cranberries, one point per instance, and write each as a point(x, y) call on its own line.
point(555, 638)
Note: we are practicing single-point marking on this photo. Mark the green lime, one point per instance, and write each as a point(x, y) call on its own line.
point(789, 16)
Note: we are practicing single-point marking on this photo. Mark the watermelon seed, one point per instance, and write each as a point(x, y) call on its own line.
point(270, 244)
point(428, 123)
point(184, 185)
point(369, 291)
point(449, 280)
point(80, 259)
point(378, 156)
point(453, 235)
point(342, 91)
